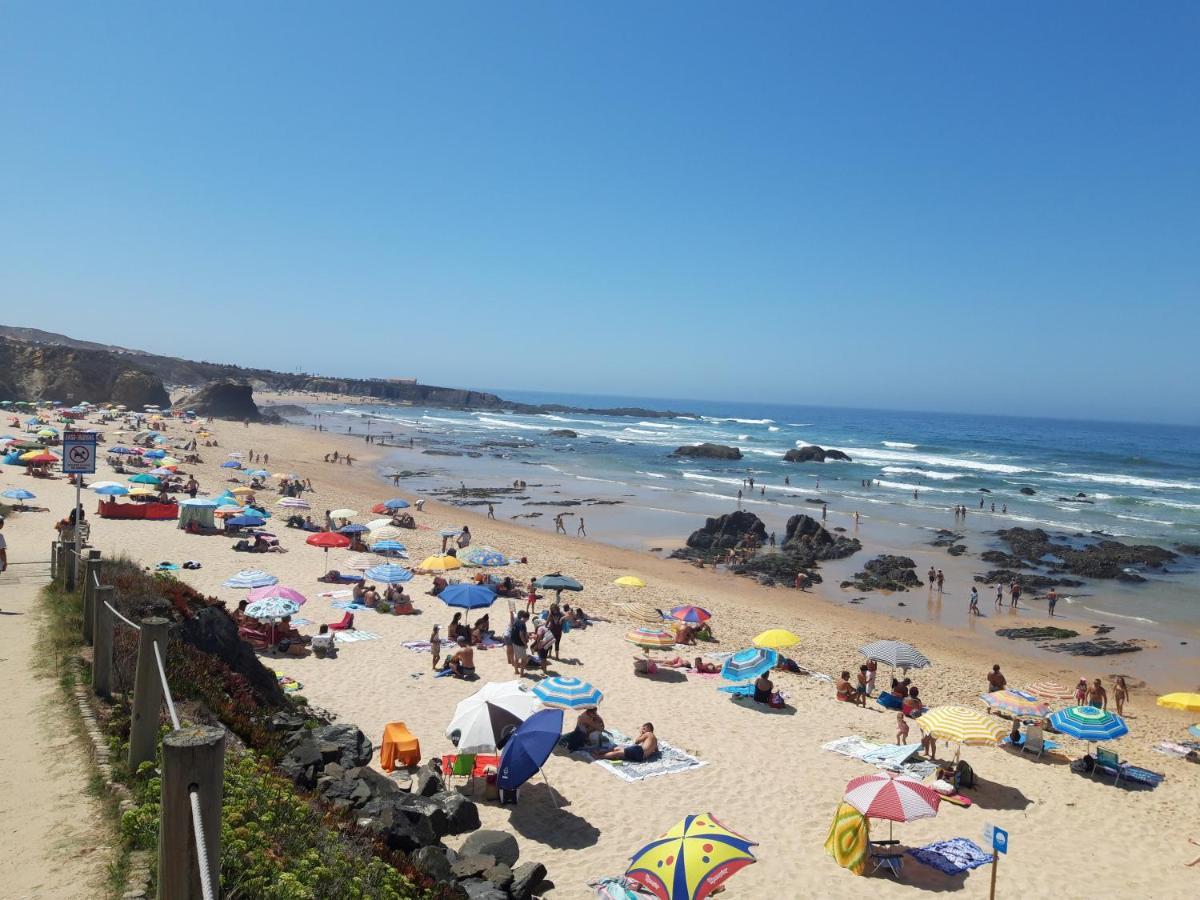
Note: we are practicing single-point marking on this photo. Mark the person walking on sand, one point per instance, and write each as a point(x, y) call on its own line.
point(580, 531)
point(932, 577)
point(974, 608)
point(519, 636)
point(1120, 694)
point(559, 527)
point(1097, 696)
point(941, 580)
point(999, 596)
point(491, 511)
point(3, 548)
point(435, 645)
point(1052, 600)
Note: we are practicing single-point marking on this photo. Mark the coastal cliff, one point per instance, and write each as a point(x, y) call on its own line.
point(50, 372)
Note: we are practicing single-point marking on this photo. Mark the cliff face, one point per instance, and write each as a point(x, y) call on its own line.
point(225, 400)
point(51, 372)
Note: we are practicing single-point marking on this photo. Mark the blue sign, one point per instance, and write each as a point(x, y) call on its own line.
point(999, 840)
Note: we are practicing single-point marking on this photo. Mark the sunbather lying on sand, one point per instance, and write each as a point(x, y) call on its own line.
point(643, 747)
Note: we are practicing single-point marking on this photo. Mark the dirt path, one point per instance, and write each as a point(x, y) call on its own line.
point(55, 839)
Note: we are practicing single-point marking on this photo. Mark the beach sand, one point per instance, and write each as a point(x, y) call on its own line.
point(766, 775)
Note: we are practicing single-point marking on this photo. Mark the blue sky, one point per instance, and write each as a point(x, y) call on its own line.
point(942, 206)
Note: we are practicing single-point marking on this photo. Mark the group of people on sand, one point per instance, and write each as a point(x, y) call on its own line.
point(903, 697)
point(393, 595)
point(1095, 695)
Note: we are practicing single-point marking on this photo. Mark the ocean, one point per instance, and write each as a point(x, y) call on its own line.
point(1138, 483)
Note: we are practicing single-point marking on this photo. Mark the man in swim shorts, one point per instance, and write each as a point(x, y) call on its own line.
point(643, 747)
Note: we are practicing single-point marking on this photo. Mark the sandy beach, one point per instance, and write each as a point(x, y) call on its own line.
point(764, 773)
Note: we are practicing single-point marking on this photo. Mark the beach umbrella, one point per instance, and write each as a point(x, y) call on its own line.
point(294, 503)
point(39, 458)
point(388, 547)
point(1185, 702)
point(327, 539)
point(1051, 691)
point(389, 573)
point(484, 557)
point(897, 654)
point(1017, 704)
point(272, 609)
point(385, 533)
point(143, 492)
point(749, 663)
point(642, 612)
point(962, 725)
point(528, 748)
point(231, 464)
point(258, 473)
point(558, 583)
point(567, 693)
point(376, 524)
point(100, 484)
point(449, 532)
point(629, 581)
point(203, 502)
point(776, 639)
point(144, 479)
point(395, 503)
point(486, 719)
point(1087, 723)
point(250, 578)
point(161, 470)
point(342, 513)
point(168, 462)
point(440, 563)
point(468, 596)
point(111, 490)
point(693, 615)
point(228, 509)
point(244, 521)
point(257, 511)
point(241, 491)
point(19, 494)
point(361, 561)
point(649, 637)
point(353, 528)
point(155, 454)
point(277, 592)
point(1194, 730)
point(896, 798)
point(691, 860)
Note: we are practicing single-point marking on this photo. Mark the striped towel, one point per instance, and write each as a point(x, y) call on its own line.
point(349, 637)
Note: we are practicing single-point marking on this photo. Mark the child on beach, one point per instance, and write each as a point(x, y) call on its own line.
point(1081, 692)
point(435, 645)
point(901, 729)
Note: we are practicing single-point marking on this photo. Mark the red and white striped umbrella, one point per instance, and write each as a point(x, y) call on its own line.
point(895, 797)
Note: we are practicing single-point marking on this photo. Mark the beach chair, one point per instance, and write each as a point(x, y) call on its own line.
point(398, 747)
point(347, 623)
point(1107, 763)
point(1034, 741)
point(462, 766)
point(886, 856)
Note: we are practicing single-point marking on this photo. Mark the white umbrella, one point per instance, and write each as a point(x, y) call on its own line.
point(484, 719)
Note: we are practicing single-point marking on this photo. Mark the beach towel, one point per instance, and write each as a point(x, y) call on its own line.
point(1047, 744)
point(417, 646)
point(336, 595)
point(669, 761)
point(1138, 775)
point(849, 840)
point(1182, 750)
point(348, 604)
point(952, 857)
point(892, 757)
point(349, 637)
point(298, 622)
point(290, 685)
point(738, 690)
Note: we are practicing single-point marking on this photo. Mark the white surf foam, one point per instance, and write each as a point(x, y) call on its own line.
point(899, 445)
point(873, 455)
point(1130, 481)
point(936, 476)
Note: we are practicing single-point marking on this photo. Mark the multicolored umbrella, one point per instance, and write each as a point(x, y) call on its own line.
point(651, 638)
point(897, 654)
point(483, 557)
point(1018, 704)
point(389, 573)
point(749, 663)
point(962, 725)
point(1087, 723)
point(691, 860)
point(277, 592)
point(776, 639)
point(251, 578)
point(567, 693)
point(693, 615)
point(485, 720)
point(896, 798)
point(1051, 691)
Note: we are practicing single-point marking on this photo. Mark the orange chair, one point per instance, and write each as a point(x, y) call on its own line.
point(399, 747)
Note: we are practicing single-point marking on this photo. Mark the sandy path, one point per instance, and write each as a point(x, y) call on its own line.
point(54, 838)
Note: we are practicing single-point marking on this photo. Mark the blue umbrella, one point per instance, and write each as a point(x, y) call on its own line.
point(389, 574)
point(567, 693)
point(155, 454)
point(201, 501)
point(388, 547)
point(121, 450)
point(251, 578)
point(230, 464)
point(749, 663)
point(244, 521)
point(1087, 723)
point(395, 503)
point(353, 528)
point(259, 473)
point(19, 494)
point(468, 596)
point(528, 748)
point(558, 583)
point(255, 511)
point(484, 557)
point(111, 490)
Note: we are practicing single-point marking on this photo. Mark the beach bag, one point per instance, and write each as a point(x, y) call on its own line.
point(776, 700)
point(964, 775)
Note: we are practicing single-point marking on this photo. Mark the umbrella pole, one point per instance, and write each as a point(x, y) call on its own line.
point(551, 787)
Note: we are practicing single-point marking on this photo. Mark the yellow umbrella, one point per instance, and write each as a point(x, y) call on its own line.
point(776, 639)
point(962, 725)
point(242, 490)
point(1183, 701)
point(630, 581)
point(440, 563)
point(691, 859)
point(142, 492)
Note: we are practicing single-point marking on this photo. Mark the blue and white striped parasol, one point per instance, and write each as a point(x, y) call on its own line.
point(1087, 723)
point(749, 663)
point(250, 578)
point(567, 693)
point(484, 557)
point(389, 573)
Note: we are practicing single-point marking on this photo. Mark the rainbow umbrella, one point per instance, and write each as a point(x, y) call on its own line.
point(693, 615)
point(1051, 691)
point(691, 860)
point(650, 638)
point(1017, 704)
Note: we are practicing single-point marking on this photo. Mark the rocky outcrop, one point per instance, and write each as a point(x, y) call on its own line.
point(721, 533)
point(813, 453)
point(1028, 491)
point(225, 400)
point(563, 433)
point(1102, 559)
point(709, 451)
point(1026, 581)
point(886, 573)
point(807, 537)
point(212, 631)
point(285, 410)
point(51, 372)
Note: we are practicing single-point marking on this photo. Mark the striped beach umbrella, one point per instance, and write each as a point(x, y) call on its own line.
point(342, 513)
point(749, 663)
point(385, 532)
point(1018, 704)
point(641, 612)
point(567, 693)
point(353, 528)
point(375, 524)
point(693, 615)
point(962, 725)
point(897, 654)
point(389, 573)
point(361, 561)
point(776, 639)
point(250, 578)
point(277, 592)
point(650, 637)
point(388, 548)
point(1051, 691)
point(691, 860)
point(896, 798)
point(1087, 723)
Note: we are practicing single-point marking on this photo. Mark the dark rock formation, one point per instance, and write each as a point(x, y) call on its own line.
point(498, 844)
point(224, 400)
point(886, 573)
point(285, 410)
point(809, 538)
point(1188, 549)
point(563, 433)
point(1097, 647)
point(945, 538)
point(1025, 580)
point(957, 549)
point(709, 451)
point(1037, 634)
point(813, 453)
point(1028, 491)
point(1103, 559)
point(212, 631)
point(46, 372)
point(720, 533)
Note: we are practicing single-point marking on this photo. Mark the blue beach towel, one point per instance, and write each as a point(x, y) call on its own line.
point(952, 857)
point(738, 690)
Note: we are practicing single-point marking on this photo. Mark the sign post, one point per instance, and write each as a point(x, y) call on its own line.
point(998, 838)
point(79, 459)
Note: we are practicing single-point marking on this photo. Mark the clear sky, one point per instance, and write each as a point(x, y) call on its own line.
point(947, 206)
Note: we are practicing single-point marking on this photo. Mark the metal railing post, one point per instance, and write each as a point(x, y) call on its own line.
point(147, 693)
point(102, 651)
point(193, 760)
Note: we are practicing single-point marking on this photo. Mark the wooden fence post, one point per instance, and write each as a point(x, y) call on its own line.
point(193, 757)
point(54, 560)
point(147, 693)
point(68, 564)
point(90, 574)
point(102, 650)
